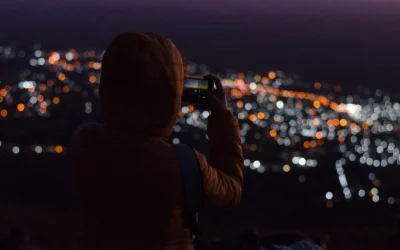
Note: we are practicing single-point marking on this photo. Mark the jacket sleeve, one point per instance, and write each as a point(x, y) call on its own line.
point(223, 177)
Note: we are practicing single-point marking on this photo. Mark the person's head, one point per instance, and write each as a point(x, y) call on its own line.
point(141, 83)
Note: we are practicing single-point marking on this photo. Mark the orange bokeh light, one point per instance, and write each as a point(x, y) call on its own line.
point(62, 77)
point(3, 92)
point(20, 107)
point(253, 117)
point(66, 89)
point(40, 98)
point(59, 149)
point(272, 75)
point(56, 100)
point(317, 104)
point(92, 79)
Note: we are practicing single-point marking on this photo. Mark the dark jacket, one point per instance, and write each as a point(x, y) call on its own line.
point(126, 171)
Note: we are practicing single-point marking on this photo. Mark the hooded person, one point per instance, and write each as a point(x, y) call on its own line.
point(127, 174)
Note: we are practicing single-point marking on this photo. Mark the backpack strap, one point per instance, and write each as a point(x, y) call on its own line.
point(189, 168)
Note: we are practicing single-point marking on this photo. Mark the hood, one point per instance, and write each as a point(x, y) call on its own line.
point(141, 84)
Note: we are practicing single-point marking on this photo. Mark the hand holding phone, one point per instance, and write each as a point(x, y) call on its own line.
point(194, 91)
point(216, 96)
point(205, 92)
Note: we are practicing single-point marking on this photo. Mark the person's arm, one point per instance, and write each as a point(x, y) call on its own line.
point(223, 177)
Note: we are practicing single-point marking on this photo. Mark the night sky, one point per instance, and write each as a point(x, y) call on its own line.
point(349, 42)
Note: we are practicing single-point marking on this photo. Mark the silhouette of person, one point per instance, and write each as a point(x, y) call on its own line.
point(127, 174)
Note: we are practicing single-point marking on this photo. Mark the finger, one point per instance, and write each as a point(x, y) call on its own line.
point(216, 80)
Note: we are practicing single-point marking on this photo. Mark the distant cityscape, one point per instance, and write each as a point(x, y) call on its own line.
point(307, 123)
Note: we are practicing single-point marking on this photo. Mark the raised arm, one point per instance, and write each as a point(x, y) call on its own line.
point(223, 177)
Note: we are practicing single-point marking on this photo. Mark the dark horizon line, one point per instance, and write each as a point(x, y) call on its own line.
point(301, 78)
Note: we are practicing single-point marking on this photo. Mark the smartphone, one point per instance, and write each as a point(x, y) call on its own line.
point(193, 91)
